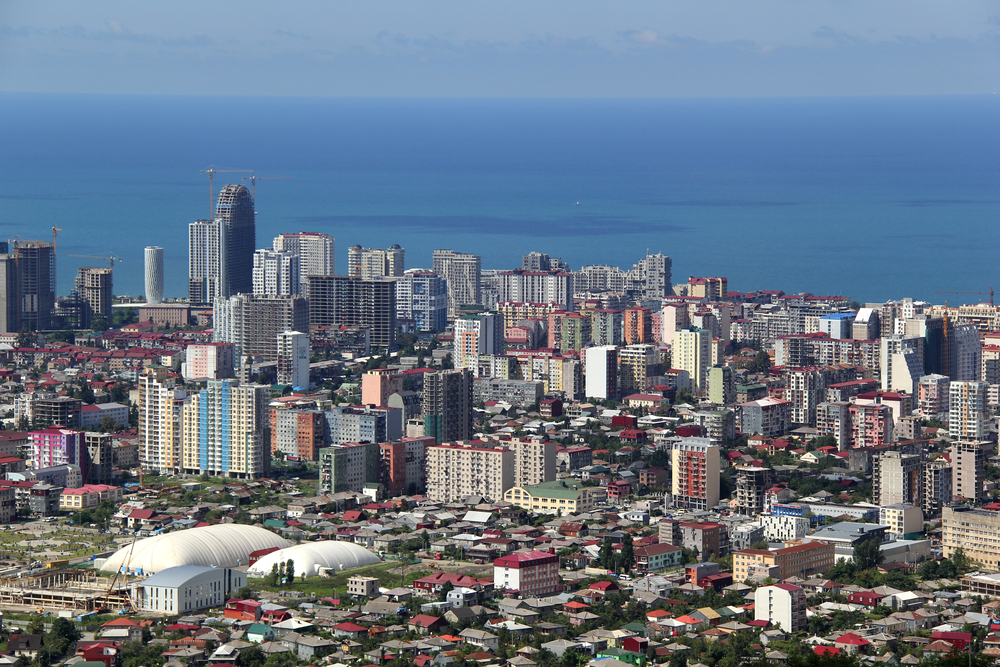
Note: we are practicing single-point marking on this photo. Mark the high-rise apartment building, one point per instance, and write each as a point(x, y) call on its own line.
point(154, 275)
point(833, 418)
point(456, 472)
point(934, 396)
point(422, 296)
point(974, 531)
point(252, 322)
point(315, 252)
point(968, 418)
point(606, 327)
point(235, 209)
point(207, 261)
point(276, 273)
point(695, 473)
point(522, 286)
point(782, 605)
point(160, 428)
point(639, 367)
point(637, 325)
point(371, 263)
point(897, 478)
point(209, 361)
point(337, 301)
point(461, 271)
point(57, 446)
point(539, 261)
point(36, 284)
point(534, 460)
point(722, 385)
point(902, 359)
point(602, 372)
point(752, 483)
point(9, 298)
point(575, 330)
point(871, 425)
point(968, 468)
point(404, 465)
point(712, 289)
point(447, 405)
point(937, 487)
point(966, 354)
point(769, 417)
point(348, 467)
point(226, 430)
point(97, 466)
point(692, 353)
point(362, 424)
point(293, 359)
point(94, 287)
point(476, 335)
point(650, 277)
point(297, 432)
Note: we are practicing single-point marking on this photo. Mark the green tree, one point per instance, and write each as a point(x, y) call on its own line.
point(868, 555)
point(627, 554)
point(64, 628)
point(761, 363)
point(251, 656)
point(244, 593)
point(36, 625)
point(290, 571)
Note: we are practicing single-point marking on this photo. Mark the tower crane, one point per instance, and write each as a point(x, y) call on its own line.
point(54, 230)
point(949, 292)
point(111, 258)
point(253, 182)
point(211, 171)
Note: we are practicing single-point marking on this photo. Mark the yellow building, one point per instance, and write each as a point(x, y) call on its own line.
point(560, 497)
point(800, 560)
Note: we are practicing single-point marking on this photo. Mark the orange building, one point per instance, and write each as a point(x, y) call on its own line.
point(638, 325)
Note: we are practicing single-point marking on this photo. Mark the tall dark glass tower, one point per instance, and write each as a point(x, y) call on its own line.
point(235, 210)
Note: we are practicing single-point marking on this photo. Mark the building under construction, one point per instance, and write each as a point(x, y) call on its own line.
point(74, 589)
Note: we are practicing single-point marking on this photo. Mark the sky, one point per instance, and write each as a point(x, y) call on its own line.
point(502, 48)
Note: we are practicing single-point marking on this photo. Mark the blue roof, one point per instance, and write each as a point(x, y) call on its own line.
point(839, 316)
point(173, 577)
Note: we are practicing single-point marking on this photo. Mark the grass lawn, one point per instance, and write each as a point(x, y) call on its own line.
point(336, 586)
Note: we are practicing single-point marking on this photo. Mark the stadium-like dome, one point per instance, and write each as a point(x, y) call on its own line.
point(223, 545)
point(309, 558)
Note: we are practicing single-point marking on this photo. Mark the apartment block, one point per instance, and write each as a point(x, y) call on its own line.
point(534, 461)
point(293, 359)
point(934, 396)
point(298, 433)
point(252, 322)
point(403, 465)
point(968, 468)
point(560, 497)
point(160, 426)
point(784, 527)
point(225, 430)
point(692, 353)
point(937, 486)
point(477, 335)
point(722, 385)
point(834, 419)
point(967, 413)
point(606, 326)
point(782, 605)
point(897, 478)
point(639, 366)
point(350, 301)
point(975, 531)
point(447, 405)
point(208, 361)
point(523, 286)
point(362, 424)
point(461, 272)
point(769, 417)
point(456, 472)
point(752, 483)
point(422, 296)
point(370, 263)
point(871, 425)
point(801, 560)
point(902, 518)
point(695, 473)
point(348, 467)
point(602, 372)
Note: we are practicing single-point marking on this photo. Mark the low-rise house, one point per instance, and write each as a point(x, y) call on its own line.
point(425, 624)
point(480, 638)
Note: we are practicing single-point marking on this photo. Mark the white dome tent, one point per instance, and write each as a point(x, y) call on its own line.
point(223, 545)
point(309, 559)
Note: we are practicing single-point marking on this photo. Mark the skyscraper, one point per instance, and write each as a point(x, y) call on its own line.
point(94, 289)
point(252, 322)
point(236, 211)
point(9, 320)
point(477, 335)
point(447, 405)
point(692, 353)
point(422, 296)
point(206, 261)
point(349, 301)
point(276, 273)
point(462, 272)
point(967, 413)
point(160, 403)
point(36, 283)
point(368, 263)
point(315, 252)
point(154, 274)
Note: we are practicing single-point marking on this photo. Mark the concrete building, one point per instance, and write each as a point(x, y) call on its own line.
point(404, 465)
point(897, 478)
point(235, 210)
point(968, 467)
point(937, 487)
point(461, 272)
point(718, 424)
point(752, 483)
point(934, 396)
point(769, 417)
point(902, 518)
point(293, 359)
point(692, 353)
point(871, 425)
point(606, 327)
point(339, 301)
point(298, 433)
point(209, 361)
point(560, 497)
point(802, 560)
point(974, 531)
point(477, 335)
point(695, 473)
point(516, 392)
point(447, 405)
point(602, 372)
point(186, 589)
point(315, 252)
point(56, 446)
point(95, 289)
point(160, 427)
point(711, 289)
point(422, 296)
point(366, 423)
point(837, 325)
point(35, 263)
point(722, 385)
point(92, 415)
point(534, 461)
point(361, 586)
point(348, 467)
point(637, 325)
point(276, 273)
point(834, 419)
point(521, 286)
point(902, 359)
point(527, 574)
point(968, 417)
point(225, 430)
point(639, 367)
point(456, 472)
point(252, 322)
point(782, 605)
point(206, 261)
point(784, 527)
point(370, 263)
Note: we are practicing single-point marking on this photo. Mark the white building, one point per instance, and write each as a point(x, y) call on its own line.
point(692, 352)
point(154, 275)
point(91, 415)
point(783, 605)
point(293, 359)
point(187, 588)
point(522, 286)
point(784, 528)
point(370, 263)
point(967, 412)
point(966, 353)
point(602, 372)
point(837, 325)
point(902, 518)
point(461, 271)
point(477, 335)
point(315, 252)
point(276, 273)
point(902, 359)
point(422, 296)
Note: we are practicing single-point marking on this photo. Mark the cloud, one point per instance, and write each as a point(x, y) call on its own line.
point(297, 36)
point(839, 36)
point(642, 36)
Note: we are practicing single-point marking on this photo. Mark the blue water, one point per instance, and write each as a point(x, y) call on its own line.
point(873, 198)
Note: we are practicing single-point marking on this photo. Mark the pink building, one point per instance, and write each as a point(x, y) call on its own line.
point(528, 574)
point(212, 361)
point(871, 425)
point(379, 384)
point(933, 396)
point(55, 447)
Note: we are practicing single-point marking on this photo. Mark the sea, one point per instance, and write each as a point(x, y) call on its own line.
point(873, 198)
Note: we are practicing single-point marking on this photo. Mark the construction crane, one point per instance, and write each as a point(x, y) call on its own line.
point(211, 171)
point(54, 230)
point(949, 292)
point(111, 259)
point(253, 182)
